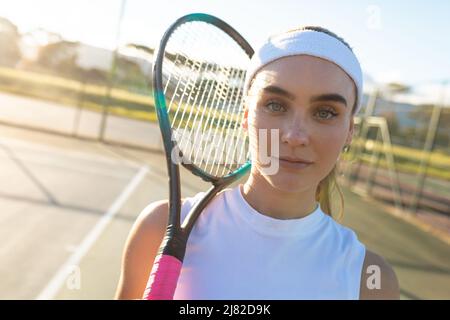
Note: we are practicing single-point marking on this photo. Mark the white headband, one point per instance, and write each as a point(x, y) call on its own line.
point(313, 43)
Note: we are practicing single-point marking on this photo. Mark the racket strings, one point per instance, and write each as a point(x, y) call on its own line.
point(180, 63)
point(204, 96)
point(219, 97)
point(233, 104)
point(196, 123)
point(185, 84)
point(203, 128)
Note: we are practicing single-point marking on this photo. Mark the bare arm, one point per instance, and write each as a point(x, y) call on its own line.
point(378, 279)
point(140, 250)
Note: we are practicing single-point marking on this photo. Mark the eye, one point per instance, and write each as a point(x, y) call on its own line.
point(275, 106)
point(326, 113)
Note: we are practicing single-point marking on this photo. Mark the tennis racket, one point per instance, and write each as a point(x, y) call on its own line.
point(198, 80)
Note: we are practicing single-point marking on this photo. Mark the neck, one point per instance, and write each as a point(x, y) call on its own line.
point(276, 203)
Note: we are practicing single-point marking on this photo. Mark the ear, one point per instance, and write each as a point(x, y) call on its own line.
point(348, 140)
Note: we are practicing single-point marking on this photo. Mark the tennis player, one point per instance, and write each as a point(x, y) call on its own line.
point(276, 236)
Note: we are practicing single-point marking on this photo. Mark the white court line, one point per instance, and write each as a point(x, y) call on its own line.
point(59, 278)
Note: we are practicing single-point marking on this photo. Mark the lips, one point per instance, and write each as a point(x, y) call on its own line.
point(296, 160)
point(294, 163)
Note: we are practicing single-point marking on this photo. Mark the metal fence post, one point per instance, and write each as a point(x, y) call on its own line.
point(111, 75)
point(426, 152)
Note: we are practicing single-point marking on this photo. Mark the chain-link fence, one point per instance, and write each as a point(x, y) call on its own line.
point(400, 152)
point(401, 148)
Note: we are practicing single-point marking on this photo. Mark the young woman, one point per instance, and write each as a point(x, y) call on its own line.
point(274, 236)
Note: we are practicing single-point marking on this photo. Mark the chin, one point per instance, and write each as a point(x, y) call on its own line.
point(289, 183)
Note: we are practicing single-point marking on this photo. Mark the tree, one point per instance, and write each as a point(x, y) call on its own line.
point(9, 43)
point(59, 57)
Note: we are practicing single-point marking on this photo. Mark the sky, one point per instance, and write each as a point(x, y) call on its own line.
point(402, 41)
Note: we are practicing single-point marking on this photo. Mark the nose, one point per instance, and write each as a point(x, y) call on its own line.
point(296, 133)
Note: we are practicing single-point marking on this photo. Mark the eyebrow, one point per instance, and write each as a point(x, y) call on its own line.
point(321, 97)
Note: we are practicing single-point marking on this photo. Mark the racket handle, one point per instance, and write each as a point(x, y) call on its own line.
point(163, 278)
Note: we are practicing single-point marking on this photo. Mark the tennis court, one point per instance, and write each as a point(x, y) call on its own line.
point(62, 234)
point(57, 191)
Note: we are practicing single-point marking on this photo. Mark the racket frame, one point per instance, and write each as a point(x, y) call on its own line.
point(175, 239)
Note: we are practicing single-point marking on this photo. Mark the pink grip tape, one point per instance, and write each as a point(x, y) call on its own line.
point(163, 278)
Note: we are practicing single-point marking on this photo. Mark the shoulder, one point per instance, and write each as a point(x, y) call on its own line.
point(156, 214)
point(153, 215)
point(141, 248)
point(378, 279)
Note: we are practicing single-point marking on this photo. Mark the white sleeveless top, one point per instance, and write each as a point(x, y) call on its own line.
point(235, 252)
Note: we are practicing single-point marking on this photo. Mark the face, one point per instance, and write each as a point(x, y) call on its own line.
point(309, 100)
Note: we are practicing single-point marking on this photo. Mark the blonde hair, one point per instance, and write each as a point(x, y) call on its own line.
point(326, 194)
